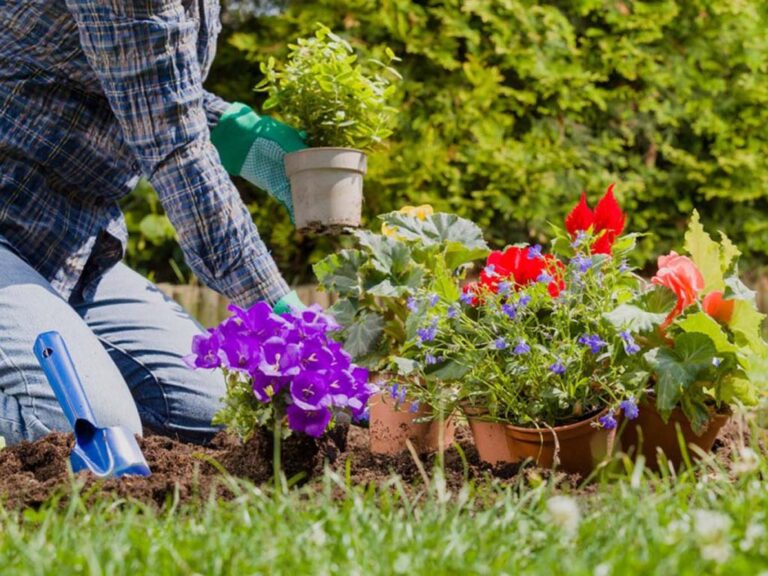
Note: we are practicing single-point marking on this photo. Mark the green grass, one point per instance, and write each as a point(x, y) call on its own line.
point(634, 523)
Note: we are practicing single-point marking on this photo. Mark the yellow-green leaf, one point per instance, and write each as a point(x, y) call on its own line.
point(705, 253)
point(745, 324)
point(704, 324)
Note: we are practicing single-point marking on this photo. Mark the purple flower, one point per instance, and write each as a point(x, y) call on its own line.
point(624, 267)
point(205, 351)
point(311, 422)
point(504, 287)
point(309, 391)
point(466, 298)
point(608, 421)
point(630, 346)
point(241, 352)
point(534, 252)
point(452, 311)
point(433, 300)
point(500, 344)
point(267, 387)
point(582, 263)
point(510, 310)
point(524, 299)
point(277, 358)
point(490, 270)
point(629, 406)
point(580, 237)
point(558, 368)
point(521, 347)
point(398, 393)
point(430, 359)
point(594, 342)
point(544, 278)
point(428, 333)
point(412, 304)
point(414, 407)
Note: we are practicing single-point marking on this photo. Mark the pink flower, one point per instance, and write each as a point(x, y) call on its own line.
point(679, 274)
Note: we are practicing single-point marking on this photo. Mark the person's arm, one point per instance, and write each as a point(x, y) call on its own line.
point(145, 55)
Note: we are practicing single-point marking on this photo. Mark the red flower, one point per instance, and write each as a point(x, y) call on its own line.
point(521, 267)
point(716, 306)
point(607, 221)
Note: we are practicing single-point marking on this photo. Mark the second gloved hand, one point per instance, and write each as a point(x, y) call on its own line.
point(254, 147)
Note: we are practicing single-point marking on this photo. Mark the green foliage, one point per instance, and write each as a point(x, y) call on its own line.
point(375, 280)
point(242, 413)
point(324, 90)
point(508, 109)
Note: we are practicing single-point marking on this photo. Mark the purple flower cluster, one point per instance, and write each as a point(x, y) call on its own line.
point(629, 406)
point(630, 346)
point(594, 342)
point(608, 421)
point(288, 356)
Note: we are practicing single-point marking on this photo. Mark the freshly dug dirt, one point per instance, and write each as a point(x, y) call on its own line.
point(33, 472)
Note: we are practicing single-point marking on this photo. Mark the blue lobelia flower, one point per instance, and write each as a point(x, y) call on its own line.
point(629, 406)
point(558, 368)
point(594, 342)
point(521, 347)
point(608, 421)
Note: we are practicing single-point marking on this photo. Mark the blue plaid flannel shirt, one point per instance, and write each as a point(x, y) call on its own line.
point(95, 94)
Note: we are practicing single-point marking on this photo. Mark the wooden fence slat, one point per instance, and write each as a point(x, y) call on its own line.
point(210, 308)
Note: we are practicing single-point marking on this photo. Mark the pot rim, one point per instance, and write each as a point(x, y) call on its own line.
point(543, 434)
point(310, 150)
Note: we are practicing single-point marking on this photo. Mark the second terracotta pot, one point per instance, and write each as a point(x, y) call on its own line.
point(582, 446)
point(490, 437)
point(648, 433)
point(389, 428)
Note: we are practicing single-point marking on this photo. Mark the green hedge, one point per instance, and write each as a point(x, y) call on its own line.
point(510, 108)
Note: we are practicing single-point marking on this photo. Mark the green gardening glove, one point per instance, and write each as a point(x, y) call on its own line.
point(254, 146)
point(289, 303)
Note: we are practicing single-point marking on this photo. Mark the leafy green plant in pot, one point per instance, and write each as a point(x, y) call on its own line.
point(375, 284)
point(528, 348)
point(704, 347)
point(343, 105)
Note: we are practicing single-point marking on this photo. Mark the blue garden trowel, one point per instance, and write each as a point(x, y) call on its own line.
point(109, 451)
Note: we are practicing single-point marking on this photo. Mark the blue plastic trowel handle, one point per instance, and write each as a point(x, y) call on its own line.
point(57, 364)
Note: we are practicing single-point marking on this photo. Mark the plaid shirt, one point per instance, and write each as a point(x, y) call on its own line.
point(94, 94)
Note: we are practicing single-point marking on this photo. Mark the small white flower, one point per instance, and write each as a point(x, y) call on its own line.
point(748, 461)
point(755, 532)
point(717, 553)
point(710, 526)
point(603, 569)
point(564, 513)
point(712, 535)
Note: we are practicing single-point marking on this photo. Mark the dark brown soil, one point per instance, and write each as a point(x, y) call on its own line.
point(32, 473)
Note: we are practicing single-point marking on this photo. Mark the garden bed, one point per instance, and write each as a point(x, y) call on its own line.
point(33, 472)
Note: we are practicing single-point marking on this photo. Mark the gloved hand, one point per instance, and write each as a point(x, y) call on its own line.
point(254, 146)
point(289, 302)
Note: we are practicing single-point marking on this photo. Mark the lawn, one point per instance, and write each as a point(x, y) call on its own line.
point(709, 519)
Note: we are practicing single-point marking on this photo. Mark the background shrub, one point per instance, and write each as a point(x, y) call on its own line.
point(510, 108)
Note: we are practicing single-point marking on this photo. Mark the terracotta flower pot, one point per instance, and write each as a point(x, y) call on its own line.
point(648, 433)
point(390, 428)
point(490, 437)
point(326, 187)
point(582, 446)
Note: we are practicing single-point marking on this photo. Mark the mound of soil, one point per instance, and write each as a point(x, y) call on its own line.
point(33, 472)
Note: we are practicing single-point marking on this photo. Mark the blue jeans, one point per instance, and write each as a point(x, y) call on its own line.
point(127, 343)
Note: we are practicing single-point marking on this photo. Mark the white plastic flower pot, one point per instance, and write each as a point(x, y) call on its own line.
point(327, 187)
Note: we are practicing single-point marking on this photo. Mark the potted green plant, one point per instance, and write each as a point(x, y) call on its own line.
point(528, 349)
point(344, 106)
point(375, 284)
point(704, 347)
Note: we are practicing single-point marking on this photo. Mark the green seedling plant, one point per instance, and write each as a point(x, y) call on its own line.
point(323, 88)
